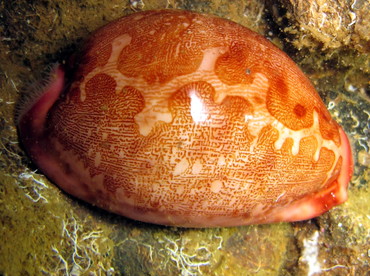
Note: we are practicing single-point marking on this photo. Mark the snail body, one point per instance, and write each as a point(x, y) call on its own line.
point(178, 118)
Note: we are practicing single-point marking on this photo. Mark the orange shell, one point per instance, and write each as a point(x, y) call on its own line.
point(184, 119)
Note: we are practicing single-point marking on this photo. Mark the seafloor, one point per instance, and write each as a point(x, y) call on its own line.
point(43, 231)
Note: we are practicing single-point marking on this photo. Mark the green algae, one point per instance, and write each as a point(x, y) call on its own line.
point(41, 233)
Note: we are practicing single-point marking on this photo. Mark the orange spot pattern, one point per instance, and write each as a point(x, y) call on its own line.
point(103, 133)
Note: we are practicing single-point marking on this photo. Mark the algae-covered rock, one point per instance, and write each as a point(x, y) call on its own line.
point(46, 232)
point(333, 23)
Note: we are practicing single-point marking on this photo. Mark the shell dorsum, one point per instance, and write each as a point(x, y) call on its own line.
point(184, 119)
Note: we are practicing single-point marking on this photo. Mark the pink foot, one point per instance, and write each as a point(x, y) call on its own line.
point(319, 203)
